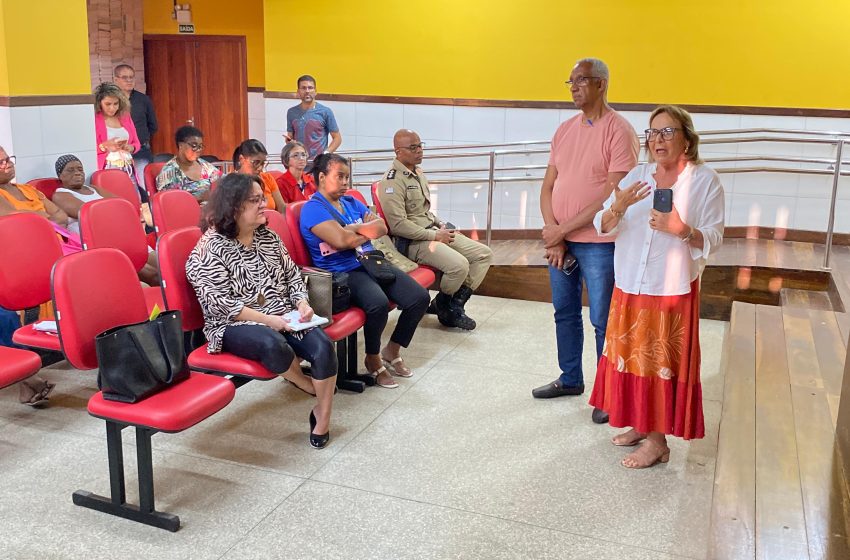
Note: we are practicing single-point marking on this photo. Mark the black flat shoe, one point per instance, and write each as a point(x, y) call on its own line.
point(599, 416)
point(318, 440)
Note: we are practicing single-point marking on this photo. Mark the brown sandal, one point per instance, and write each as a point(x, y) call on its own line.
point(34, 391)
point(628, 439)
point(647, 455)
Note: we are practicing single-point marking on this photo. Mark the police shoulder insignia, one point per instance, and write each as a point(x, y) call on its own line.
point(391, 174)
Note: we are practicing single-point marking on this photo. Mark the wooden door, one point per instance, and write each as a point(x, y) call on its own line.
point(200, 80)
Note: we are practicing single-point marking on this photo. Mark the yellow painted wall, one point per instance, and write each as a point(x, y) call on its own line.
point(45, 47)
point(216, 17)
point(780, 53)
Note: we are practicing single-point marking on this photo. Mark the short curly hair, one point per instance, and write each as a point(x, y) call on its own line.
point(109, 89)
point(227, 201)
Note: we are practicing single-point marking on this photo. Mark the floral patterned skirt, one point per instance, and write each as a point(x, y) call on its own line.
point(648, 376)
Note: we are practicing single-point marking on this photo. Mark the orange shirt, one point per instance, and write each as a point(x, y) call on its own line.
point(34, 199)
point(269, 187)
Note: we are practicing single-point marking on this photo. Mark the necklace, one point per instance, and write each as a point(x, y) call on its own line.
point(261, 298)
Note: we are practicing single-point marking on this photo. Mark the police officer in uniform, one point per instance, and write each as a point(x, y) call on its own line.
point(419, 234)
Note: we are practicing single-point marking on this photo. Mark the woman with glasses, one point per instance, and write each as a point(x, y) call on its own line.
point(187, 171)
point(115, 132)
point(668, 217)
point(295, 184)
point(246, 284)
point(251, 158)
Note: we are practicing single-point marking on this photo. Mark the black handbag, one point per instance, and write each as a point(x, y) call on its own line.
point(341, 293)
point(139, 360)
point(375, 263)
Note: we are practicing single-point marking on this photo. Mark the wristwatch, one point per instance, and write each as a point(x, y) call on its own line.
point(689, 236)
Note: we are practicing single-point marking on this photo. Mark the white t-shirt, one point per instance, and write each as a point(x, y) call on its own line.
point(119, 133)
point(81, 196)
point(660, 264)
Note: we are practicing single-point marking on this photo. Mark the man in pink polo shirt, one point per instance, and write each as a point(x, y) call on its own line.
point(590, 154)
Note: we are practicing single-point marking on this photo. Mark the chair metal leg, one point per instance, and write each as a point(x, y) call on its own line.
point(117, 506)
point(345, 381)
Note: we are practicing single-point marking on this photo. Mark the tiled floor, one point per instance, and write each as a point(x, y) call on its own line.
point(458, 462)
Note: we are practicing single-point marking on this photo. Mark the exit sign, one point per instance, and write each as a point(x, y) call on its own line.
point(186, 28)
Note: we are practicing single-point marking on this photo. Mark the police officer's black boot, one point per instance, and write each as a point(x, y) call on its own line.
point(458, 302)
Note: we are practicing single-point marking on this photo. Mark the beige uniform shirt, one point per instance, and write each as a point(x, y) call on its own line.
point(406, 202)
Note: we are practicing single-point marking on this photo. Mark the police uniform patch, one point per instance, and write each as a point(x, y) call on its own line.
point(388, 190)
point(391, 174)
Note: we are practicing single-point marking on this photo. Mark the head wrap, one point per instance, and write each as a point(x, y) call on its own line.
point(63, 161)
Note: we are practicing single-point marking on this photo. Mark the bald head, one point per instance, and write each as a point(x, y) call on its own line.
point(408, 148)
point(404, 137)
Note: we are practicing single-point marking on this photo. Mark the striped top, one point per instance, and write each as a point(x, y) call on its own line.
point(228, 276)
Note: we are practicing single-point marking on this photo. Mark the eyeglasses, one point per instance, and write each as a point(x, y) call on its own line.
point(581, 81)
point(128, 78)
point(196, 147)
point(256, 200)
point(298, 155)
point(667, 133)
point(8, 162)
point(415, 147)
point(258, 163)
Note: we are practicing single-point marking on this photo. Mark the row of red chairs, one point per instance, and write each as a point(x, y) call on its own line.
point(92, 292)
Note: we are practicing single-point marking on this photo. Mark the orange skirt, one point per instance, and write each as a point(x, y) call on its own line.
point(648, 375)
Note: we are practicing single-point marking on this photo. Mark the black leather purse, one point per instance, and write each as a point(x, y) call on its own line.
point(139, 360)
point(341, 293)
point(375, 263)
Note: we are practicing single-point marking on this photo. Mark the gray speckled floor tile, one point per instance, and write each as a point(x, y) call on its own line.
point(540, 462)
point(332, 522)
point(266, 424)
point(217, 503)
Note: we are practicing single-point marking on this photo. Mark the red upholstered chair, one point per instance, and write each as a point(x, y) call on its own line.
point(118, 183)
point(114, 223)
point(345, 325)
point(174, 209)
point(47, 186)
point(173, 250)
point(16, 365)
point(277, 223)
point(424, 275)
point(28, 249)
point(97, 290)
point(275, 173)
point(151, 172)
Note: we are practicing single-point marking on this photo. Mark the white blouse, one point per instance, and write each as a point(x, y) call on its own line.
point(655, 263)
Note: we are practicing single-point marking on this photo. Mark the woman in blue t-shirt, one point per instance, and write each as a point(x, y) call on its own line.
point(336, 228)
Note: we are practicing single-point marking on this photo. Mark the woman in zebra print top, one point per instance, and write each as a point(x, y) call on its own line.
point(245, 282)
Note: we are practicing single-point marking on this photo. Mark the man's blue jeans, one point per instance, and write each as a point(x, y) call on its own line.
point(596, 268)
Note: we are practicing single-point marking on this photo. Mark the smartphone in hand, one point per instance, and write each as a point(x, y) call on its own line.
point(449, 225)
point(663, 200)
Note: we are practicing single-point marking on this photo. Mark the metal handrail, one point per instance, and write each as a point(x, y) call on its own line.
point(495, 173)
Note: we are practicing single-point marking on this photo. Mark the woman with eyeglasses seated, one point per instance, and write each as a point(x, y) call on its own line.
point(245, 283)
point(15, 198)
point(22, 197)
point(668, 217)
point(250, 158)
point(336, 229)
point(186, 170)
point(73, 193)
point(295, 184)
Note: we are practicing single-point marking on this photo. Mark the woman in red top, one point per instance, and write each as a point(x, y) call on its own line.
point(251, 158)
point(295, 185)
